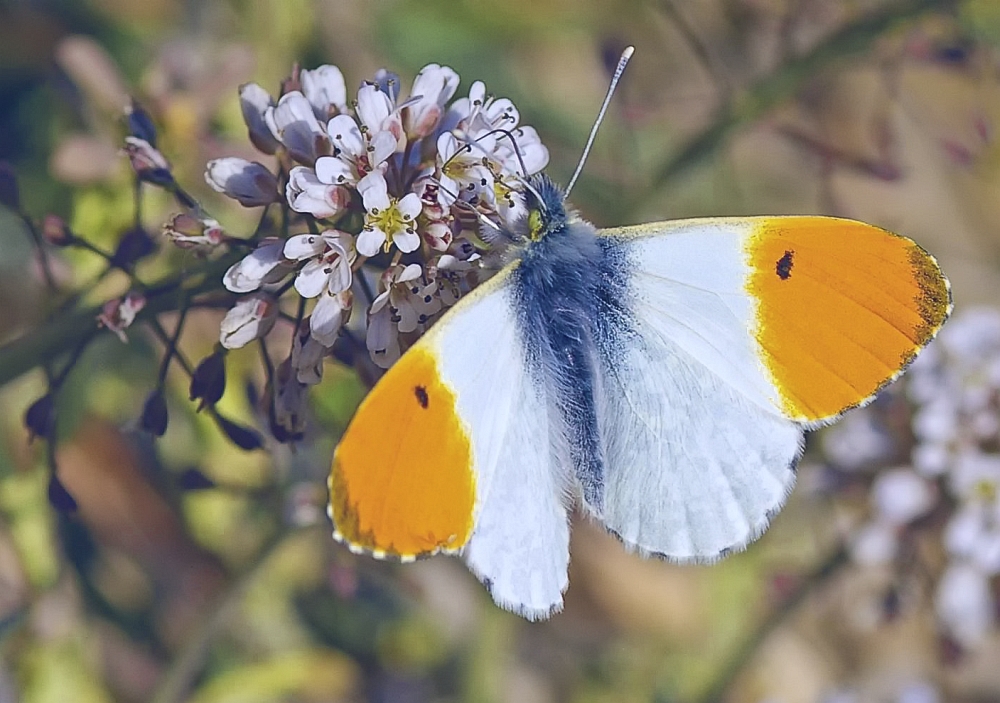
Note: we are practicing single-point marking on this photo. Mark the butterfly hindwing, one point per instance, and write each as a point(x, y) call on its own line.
point(450, 453)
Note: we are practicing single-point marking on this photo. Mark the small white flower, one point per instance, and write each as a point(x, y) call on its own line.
point(530, 156)
point(974, 534)
point(393, 311)
point(964, 603)
point(386, 219)
point(480, 113)
point(464, 167)
point(251, 318)
point(377, 112)
point(294, 124)
point(263, 265)
point(200, 236)
point(434, 86)
point(355, 155)
point(306, 193)
point(254, 102)
point(330, 314)
point(307, 355)
point(119, 314)
point(248, 182)
point(328, 257)
point(325, 90)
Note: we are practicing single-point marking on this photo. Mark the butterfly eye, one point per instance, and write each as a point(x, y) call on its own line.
point(536, 225)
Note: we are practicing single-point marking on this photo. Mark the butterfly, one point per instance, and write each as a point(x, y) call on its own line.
point(660, 377)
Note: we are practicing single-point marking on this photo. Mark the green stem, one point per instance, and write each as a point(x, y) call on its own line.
point(745, 652)
point(183, 671)
point(777, 87)
point(49, 341)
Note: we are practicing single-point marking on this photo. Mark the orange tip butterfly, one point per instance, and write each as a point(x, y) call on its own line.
point(661, 377)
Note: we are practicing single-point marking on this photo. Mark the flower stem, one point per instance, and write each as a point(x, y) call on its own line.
point(745, 652)
point(50, 341)
point(749, 105)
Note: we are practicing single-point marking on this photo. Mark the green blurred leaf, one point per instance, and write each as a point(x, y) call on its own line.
point(310, 675)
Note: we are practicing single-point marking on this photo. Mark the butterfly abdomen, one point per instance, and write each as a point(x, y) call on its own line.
point(566, 282)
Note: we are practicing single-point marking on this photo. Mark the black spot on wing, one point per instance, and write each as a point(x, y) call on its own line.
point(422, 398)
point(784, 266)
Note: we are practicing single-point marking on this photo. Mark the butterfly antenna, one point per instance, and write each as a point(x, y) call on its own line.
point(483, 219)
point(622, 63)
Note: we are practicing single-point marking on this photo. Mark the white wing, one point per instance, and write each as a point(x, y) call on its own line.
point(520, 544)
point(698, 455)
point(451, 452)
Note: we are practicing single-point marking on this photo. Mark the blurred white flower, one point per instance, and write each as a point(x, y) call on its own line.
point(900, 496)
point(964, 603)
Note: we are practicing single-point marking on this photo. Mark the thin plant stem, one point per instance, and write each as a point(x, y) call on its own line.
point(745, 652)
point(180, 676)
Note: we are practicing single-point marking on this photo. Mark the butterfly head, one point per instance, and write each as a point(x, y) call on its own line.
point(546, 210)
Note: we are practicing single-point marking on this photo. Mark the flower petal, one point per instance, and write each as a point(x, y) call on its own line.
point(406, 240)
point(313, 278)
point(329, 316)
point(373, 107)
point(304, 246)
point(370, 241)
point(374, 192)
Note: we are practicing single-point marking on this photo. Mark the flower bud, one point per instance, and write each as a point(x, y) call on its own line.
point(56, 232)
point(140, 124)
point(40, 417)
point(147, 162)
point(134, 245)
point(59, 497)
point(194, 480)
point(254, 102)
point(248, 182)
point(189, 232)
point(208, 383)
point(10, 196)
point(154, 413)
point(117, 315)
point(242, 436)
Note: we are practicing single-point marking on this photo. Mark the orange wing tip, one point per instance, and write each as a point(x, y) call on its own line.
point(882, 297)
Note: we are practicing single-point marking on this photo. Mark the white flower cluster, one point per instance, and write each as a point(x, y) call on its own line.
point(410, 178)
point(954, 472)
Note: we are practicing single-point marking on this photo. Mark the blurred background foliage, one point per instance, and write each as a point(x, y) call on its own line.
point(193, 570)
